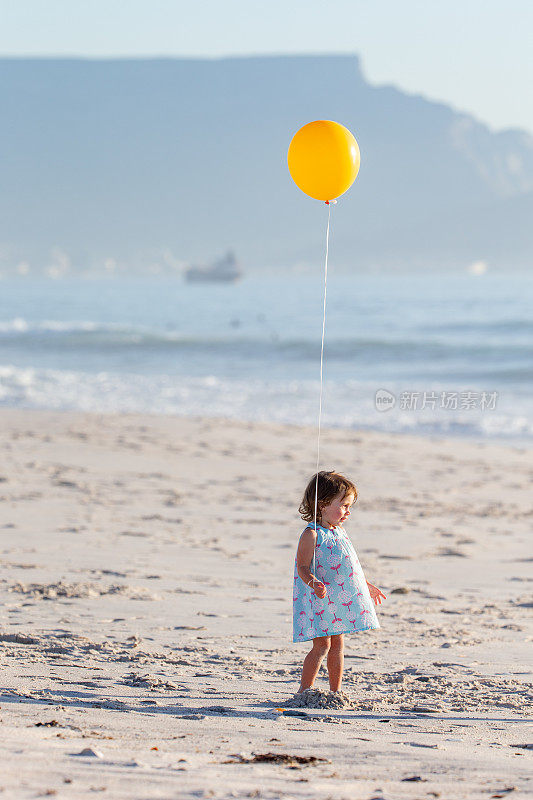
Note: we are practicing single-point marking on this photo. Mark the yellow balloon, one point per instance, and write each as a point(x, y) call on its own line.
point(323, 159)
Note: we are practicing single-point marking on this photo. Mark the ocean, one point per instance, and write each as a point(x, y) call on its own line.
point(424, 353)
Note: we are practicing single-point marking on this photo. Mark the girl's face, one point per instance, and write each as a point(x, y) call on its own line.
point(338, 509)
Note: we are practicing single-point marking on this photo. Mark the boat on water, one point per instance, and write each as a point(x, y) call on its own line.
point(225, 269)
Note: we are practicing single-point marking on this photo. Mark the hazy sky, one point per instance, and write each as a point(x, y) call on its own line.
point(474, 54)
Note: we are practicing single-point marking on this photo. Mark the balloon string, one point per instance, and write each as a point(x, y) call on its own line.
point(321, 370)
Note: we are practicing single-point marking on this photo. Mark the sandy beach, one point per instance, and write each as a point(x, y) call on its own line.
point(146, 628)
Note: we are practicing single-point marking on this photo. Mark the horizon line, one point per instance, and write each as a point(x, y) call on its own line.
point(166, 57)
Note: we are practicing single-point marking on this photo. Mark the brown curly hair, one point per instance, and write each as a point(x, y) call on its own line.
point(329, 485)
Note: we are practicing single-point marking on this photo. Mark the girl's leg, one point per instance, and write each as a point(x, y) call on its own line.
point(313, 661)
point(336, 662)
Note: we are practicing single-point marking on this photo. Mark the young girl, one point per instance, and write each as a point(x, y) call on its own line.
point(331, 595)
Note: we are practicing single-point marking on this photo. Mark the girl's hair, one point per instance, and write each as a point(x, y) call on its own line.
point(329, 486)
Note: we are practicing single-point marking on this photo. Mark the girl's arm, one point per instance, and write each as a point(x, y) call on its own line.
point(304, 558)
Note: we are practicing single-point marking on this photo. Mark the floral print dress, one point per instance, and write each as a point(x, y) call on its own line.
point(347, 606)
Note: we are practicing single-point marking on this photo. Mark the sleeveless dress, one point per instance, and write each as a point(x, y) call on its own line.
point(347, 606)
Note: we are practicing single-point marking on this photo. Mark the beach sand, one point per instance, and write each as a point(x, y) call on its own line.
point(146, 629)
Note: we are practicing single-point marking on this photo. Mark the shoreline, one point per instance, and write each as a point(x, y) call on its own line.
point(525, 445)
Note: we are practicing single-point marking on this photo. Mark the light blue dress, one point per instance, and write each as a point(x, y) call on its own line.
point(347, 607)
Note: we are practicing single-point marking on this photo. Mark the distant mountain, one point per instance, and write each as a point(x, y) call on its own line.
point(179, 159)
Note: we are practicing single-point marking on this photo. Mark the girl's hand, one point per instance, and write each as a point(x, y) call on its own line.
point(375, 593)
point(319, 589)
